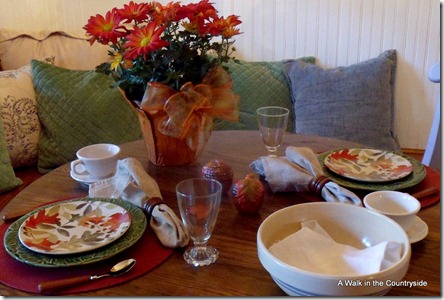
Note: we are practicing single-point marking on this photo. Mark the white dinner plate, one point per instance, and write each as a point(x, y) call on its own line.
point(368, 165)
point(74, 227)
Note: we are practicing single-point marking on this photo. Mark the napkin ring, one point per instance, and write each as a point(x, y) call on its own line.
point(149, 205)
point(317, 183)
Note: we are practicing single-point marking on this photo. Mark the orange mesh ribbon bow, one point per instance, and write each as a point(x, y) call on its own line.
point(192, 110)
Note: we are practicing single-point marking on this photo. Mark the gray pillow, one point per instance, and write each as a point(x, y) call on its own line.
point(353, 103)
point(258, 83)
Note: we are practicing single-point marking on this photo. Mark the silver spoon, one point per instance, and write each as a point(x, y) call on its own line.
point(119, 269)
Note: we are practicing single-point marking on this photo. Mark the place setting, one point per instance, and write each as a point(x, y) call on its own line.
point(50, 244)
point(360, 183)
point(345, 175)
point(122, 218)
point(122, 229)
point(301, 170)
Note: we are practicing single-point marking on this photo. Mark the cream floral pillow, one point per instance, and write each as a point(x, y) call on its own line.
point(8, 180)
point(20, 119)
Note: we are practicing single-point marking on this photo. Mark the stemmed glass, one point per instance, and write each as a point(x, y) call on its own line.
point(199, 201)
point(272, 122)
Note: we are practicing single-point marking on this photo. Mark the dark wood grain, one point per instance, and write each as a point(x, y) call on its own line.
point(238, 271)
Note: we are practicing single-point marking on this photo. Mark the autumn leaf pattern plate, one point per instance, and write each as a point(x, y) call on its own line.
point(368, 165)
point(20, 253)
point(74, 227)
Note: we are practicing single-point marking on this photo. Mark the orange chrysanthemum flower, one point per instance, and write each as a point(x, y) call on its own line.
point(224, 27)
point(197, 14)
point(144, 40)
point(105, 29)
point(135, 12)
point(202, 10)
point(171, 12)
point(230, 31)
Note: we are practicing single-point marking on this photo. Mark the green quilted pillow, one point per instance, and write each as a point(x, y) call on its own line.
point(78, 108)
point(8, 181)
point(258, 84)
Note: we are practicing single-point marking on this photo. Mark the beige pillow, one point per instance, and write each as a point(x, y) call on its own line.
point(18, 107)
point(20, 119)
point(8, 180)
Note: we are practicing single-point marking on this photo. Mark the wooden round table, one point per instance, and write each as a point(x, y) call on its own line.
point(238, 270)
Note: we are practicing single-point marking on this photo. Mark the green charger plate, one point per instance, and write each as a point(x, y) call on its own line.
point(19, 252)
point(417, 175)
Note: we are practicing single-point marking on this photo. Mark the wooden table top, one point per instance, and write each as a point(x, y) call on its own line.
point(238, 271)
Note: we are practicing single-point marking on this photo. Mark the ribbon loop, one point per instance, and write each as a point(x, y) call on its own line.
point(192, 110)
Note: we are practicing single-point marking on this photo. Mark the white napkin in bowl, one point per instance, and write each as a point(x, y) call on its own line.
point(312, 249)
point(131, 183)
point(294, 171)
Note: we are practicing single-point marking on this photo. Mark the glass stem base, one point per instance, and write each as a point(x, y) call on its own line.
point(201, 255)
point(272, 149)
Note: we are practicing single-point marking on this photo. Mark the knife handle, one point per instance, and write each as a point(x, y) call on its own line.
point(49, 286)
point(9, 218)
point(426, 192)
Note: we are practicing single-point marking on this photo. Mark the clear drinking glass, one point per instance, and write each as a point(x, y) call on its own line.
point(199, 201)
point(272, 122)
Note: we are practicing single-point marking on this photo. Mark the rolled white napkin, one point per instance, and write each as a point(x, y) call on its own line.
point(294, 171)
point(131, 183)
point(312, 249)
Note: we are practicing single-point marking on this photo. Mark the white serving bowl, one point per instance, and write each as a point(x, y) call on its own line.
point(346, 224)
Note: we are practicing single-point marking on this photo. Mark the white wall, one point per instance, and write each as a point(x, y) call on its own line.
point(337, 32)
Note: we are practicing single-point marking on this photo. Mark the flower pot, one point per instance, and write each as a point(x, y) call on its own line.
point(164, 150)
point(176, 125)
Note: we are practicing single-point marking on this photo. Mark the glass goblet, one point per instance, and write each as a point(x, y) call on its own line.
point(199, 201)
point(272, 121)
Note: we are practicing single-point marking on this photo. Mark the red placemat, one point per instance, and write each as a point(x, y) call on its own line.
point(148, 252)
point(432, 179)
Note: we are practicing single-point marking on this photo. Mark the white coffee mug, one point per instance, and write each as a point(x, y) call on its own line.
point(400, 207)
point(96, 161)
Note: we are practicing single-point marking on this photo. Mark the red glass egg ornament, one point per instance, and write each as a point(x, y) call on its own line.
point(221, 171)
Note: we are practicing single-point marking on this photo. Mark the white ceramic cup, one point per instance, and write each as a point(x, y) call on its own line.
point(399, 206)
point(96, 161)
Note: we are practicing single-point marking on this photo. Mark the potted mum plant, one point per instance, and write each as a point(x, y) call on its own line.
point(168, 62)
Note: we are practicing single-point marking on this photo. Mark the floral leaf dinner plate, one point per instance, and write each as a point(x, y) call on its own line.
point(418, 174)
point(368, 165)
point(74, 227)
point(18, 251)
